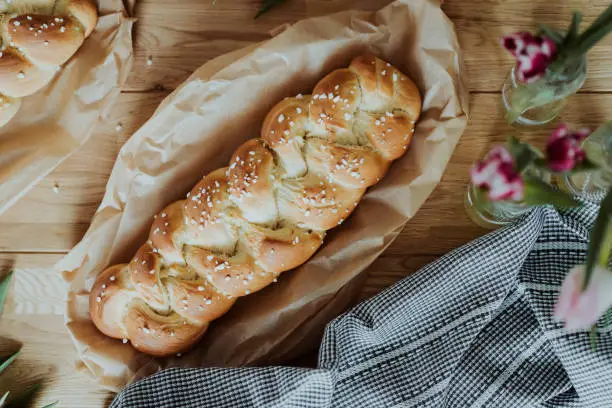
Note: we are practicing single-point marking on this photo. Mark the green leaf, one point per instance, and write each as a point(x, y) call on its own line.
point(267, 6)
point(551, 33)
point(574, 29)
point(523, 153)
point(25, 398)
point(4, 398)
point(4, 287)
point(538, 192)
point(600, 240)
point(591, 36)
point(585, 165)
point(593, 337)
point(6, 363)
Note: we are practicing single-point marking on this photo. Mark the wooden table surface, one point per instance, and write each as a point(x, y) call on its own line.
point(176, 38)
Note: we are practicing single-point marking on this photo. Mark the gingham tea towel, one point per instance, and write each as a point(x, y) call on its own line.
point(473, 329)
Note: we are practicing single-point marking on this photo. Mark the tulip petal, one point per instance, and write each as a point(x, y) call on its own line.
point(580, 310)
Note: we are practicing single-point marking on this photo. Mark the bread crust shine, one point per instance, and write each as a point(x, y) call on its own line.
point(35, 44)
point(243, 225)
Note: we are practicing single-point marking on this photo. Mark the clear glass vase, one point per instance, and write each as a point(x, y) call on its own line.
point(599, 150)
point(540, 102)
point(491, 214)
point(494, 214)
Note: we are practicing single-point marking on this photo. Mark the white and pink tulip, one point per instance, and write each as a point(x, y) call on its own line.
point(533, 54)
point(581, 309)
point(498, 176)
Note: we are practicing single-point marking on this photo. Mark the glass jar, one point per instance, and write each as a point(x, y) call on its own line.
point(599, 150)
point(542, 101)
point(491, 214)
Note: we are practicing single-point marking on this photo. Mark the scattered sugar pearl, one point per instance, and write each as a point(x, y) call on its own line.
point(298, 110)
point(179, 355)
point(98, 299)
point(394, 76)
point(28, 17)
point(16, 23)
point(46, 43)
point(112, 278)
point(149, 61)
point(208, 301)
point(281, 118)
point(124, 341)
point(200, 288)
point(62, 29)
point(20, 75)
point(146, 330)
point(384, 72)
point(118, 127)
point(299, 96)
point(56, 188)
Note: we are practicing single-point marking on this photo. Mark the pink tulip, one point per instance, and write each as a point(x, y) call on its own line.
point(578, 309)
point(564, 150)
point(497, 174)
point(533, 54)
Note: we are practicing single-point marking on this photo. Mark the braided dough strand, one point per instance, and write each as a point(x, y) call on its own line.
point(266, 213)
point(36, 41)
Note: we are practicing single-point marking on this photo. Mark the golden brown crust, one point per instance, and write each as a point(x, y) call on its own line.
point(283, 131)
point(46, 40)
point(145, 270)
point(109, 298)
point(85, 12)
point(266, 213)
point(354, 167)
point(157, 334)
point(334, 102)
point(251, 180)
point(35, 45)
point(19, 77)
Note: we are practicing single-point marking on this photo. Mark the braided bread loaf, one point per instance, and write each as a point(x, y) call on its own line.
point(243, 225)
point(36, 40)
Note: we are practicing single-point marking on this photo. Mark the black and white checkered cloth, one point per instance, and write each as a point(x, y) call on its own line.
point(473, 329)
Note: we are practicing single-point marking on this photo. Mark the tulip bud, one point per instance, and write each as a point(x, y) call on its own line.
point(564, 150)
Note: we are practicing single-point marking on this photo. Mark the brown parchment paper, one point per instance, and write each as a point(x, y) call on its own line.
point(196, 129)
point(54, 122)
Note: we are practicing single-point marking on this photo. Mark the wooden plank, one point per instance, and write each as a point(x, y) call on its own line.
point(49, 222)
point(33, 318)
point(50, 219)
point(179, 39)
